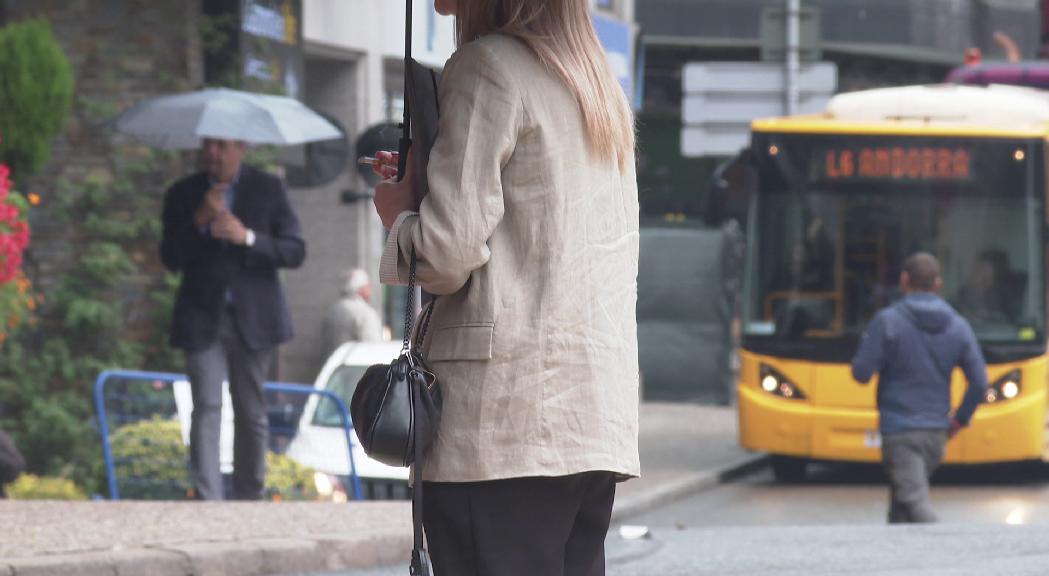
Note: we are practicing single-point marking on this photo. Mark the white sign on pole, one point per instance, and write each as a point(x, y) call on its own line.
point(722, 98)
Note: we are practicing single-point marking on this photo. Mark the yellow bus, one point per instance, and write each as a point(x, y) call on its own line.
point(837, 201)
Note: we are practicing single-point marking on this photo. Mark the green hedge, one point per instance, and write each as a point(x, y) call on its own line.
point(152, 464)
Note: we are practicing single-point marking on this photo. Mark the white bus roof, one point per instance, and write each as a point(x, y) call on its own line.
point(1003, 111)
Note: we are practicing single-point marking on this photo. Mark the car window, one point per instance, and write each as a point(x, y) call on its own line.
point(342, 383)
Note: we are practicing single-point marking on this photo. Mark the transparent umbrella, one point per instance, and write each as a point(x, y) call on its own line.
point(181, 121)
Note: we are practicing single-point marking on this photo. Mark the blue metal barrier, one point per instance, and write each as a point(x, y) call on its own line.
point(344, 417)
point(159, 400)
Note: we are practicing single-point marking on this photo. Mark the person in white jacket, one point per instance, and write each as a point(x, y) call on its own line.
point(352, 318)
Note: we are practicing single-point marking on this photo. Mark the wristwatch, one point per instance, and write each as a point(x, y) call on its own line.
point(249, 238)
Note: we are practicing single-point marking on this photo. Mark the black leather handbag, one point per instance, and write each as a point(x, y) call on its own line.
point(396, 407)
point(396, 410)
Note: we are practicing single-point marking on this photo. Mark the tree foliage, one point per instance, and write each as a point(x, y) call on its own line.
point(36, 92)
point(89, 320)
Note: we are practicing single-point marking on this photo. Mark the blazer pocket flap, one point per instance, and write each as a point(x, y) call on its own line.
point(461, 342)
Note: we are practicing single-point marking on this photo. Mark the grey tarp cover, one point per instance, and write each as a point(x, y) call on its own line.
point(687, 287)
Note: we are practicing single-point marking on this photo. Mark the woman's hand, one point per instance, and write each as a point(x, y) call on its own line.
point(386, 167)
point(392, 197)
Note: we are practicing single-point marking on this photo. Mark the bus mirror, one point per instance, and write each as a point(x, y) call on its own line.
point(728, 190)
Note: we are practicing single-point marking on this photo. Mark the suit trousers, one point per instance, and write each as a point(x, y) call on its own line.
point(229, 359)
point(910, 458)
point(554, 526)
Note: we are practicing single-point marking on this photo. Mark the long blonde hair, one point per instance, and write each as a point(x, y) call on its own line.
point(562, 36)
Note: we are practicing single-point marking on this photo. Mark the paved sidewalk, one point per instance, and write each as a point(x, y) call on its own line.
point(843, 550)
point(684, 448)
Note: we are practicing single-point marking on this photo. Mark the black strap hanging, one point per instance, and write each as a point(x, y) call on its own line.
point(420, 562)
point(406, 121)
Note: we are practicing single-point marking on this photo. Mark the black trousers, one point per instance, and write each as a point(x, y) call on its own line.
point(538, 526)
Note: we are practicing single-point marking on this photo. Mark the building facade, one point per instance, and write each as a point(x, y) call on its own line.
point(353, 73)
point(872, 42)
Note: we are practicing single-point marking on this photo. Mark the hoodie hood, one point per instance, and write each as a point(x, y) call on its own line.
point(927, 311)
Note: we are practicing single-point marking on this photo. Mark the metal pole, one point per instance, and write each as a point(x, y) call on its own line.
point(103, 430)
point(406, 123)
point(793, 61)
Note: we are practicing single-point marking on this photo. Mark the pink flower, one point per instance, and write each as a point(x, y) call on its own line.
point(14, 232)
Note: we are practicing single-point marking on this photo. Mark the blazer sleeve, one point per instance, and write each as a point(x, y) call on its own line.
point(480, 119)
point(281, 244)
point(181, 242)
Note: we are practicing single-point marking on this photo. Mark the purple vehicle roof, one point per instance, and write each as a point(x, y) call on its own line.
point(1034, 74)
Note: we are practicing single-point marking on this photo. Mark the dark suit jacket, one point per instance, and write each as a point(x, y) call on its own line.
point(209, 267)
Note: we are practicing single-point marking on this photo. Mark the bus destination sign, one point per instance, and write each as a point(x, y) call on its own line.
point(916, 164)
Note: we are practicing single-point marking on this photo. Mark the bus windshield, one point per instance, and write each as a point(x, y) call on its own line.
point(836, 215)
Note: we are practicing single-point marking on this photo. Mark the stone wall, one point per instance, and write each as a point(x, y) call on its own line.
point(120, 51)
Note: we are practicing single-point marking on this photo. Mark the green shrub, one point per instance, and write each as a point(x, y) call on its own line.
point(286, 479)
point(31, 487)
point(36, 91)
point(152, 464)
point(151, 461)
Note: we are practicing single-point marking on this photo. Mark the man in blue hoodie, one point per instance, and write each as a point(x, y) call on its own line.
point(914, 346)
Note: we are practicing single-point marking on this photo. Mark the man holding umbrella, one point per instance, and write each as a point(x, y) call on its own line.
point(228, 229)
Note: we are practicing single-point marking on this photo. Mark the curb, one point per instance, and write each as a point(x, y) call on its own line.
point(686, 486)
point(240, 558)
point(318, 553)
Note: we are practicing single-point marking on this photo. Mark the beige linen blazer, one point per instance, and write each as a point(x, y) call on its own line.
point(532, 244)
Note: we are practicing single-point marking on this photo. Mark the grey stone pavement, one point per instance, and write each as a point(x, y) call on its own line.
point(927, 550)
point(684, 448)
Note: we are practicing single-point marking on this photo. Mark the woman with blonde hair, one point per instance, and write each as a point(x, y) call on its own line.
point(529, 237)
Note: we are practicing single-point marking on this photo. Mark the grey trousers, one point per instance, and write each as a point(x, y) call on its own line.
point(910, 458)
point(228, 358)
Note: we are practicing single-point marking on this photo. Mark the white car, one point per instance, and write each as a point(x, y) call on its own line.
point(320, 441)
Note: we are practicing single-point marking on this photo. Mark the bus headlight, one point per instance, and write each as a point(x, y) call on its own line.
point(776, 384)
point(1005, 388)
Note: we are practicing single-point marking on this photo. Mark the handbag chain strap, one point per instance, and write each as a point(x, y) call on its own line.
point(409, 308)
point(420, 561)
point(409, 313)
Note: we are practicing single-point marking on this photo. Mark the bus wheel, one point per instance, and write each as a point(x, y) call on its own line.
point(788, 470)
